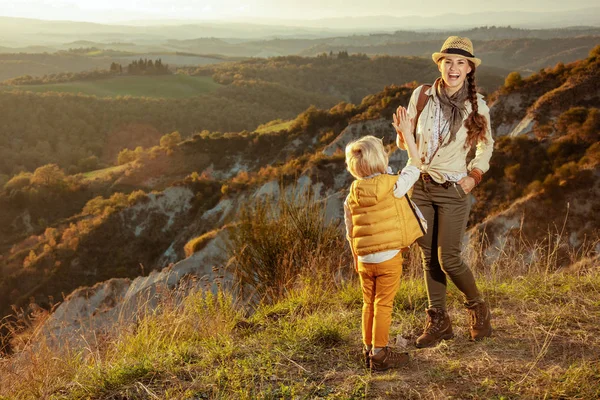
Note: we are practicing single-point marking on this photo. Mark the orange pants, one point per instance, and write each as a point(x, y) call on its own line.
point(379, 283)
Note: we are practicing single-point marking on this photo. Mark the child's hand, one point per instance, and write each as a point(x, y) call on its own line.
point(403, 124)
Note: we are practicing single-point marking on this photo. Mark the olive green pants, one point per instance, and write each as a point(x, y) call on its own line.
point(446, 211)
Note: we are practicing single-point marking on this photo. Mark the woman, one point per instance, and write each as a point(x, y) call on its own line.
point(453, 119)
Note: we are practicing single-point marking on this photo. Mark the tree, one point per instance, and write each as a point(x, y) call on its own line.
point(126, 156)
point(513, 80)
point(48, 175)
point(169, 141)
point(89, 163)
point(343, 55)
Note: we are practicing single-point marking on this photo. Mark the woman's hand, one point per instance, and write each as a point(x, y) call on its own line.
point(467, 184)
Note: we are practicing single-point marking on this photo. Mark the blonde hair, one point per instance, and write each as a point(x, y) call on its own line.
point(366, 156)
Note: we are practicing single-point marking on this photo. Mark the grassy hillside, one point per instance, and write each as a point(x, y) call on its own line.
point(218, 166)
point(170, 86)
point(14, 65)
point(60, 230)
point(305, 341)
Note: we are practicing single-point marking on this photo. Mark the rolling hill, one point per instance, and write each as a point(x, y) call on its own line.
point(248, 94)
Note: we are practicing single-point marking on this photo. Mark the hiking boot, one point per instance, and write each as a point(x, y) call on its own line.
point(480, 316)
point(387, 359)
point(366, 357)
point(438, 327)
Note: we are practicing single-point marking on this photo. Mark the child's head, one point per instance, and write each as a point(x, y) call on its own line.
point(366, 156)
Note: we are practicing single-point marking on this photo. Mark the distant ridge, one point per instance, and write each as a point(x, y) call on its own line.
point(377, 23)
point(52, 31)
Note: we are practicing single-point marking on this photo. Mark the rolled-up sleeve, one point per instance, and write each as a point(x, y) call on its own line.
point(406, 180)
point(483, 152)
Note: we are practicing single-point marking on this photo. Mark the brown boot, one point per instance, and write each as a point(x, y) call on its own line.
point(480, 317)
point(438, 327)
point(387, 359)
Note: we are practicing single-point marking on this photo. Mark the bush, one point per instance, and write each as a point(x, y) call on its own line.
point(170, 140)
point(573, 116)
point(18, 182)
point(276, 241)
point(48, 175)
point(513, 80)
point(118, 201)
point(126, 156)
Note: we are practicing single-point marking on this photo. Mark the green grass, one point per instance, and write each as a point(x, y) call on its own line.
point(103, 173)
point(274, 126)
point(169, 86)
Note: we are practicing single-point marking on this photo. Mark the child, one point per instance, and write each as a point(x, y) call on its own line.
point(380, 221)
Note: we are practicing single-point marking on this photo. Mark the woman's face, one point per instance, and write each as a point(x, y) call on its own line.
point(454, 71)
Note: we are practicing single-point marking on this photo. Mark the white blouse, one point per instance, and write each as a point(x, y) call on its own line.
point(441, 127)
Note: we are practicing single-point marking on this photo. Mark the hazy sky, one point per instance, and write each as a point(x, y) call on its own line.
point(124, 10)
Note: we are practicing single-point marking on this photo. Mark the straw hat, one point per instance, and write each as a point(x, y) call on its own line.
point(457, 45)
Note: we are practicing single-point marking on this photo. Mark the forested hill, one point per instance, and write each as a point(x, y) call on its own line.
point(349, 77)
point(72, 131)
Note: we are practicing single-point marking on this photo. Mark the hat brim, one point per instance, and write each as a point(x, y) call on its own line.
point(438, 56)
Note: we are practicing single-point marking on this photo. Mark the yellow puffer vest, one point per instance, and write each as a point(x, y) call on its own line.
point(381, 221)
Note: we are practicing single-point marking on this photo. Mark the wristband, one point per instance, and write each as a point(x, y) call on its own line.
point(477, 175)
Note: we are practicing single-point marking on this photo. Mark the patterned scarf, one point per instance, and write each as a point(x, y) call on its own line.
point(453, 107)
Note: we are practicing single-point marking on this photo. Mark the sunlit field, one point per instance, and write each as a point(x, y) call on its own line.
point(171, 86)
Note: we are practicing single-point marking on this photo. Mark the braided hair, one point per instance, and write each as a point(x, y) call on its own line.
point(475, 123)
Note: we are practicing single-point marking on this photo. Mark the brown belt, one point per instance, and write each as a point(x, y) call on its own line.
point(428, 179)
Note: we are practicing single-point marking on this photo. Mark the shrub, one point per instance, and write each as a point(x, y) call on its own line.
point(200, 242)
point(170, 140)
point(137, 196)
point(573, 116)
point(18, 182)
point(99, 205)
point(278, 240)
point(30, 259)
point(126, 156)
point(513, 80)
